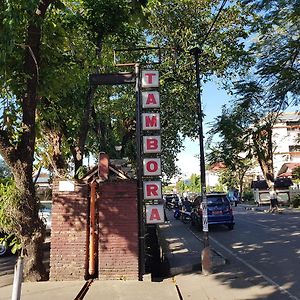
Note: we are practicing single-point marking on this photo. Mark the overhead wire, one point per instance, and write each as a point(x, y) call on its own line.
point(213, 23)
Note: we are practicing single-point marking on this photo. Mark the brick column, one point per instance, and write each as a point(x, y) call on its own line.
point(68, 253)
point(118, 230)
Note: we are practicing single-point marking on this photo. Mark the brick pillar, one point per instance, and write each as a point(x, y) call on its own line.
point(118, 230)
point(68, 253)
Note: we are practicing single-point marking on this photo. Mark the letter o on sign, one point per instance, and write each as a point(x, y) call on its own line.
point(152, 166)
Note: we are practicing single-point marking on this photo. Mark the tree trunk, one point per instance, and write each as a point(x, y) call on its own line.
point(30, 229)
point(262, 141)
point(20, 155)
point(78, 150)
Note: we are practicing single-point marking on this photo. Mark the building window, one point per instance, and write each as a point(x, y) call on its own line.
point(293, 123)
point(294, 129)
point(294, 148)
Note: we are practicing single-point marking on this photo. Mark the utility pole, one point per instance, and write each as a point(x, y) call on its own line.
point(205, 254)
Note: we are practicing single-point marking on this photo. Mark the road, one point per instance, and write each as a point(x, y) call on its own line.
point(7, 264)
point(263, 248)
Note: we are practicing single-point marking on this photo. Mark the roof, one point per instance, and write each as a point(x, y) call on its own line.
point(289, 117)
point(286, 169)
point(217, 166)
point(279, 183)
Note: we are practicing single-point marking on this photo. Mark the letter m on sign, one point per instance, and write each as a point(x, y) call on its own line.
point(151, 121)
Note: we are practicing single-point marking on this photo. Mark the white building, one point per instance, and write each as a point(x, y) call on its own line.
point(286, 136)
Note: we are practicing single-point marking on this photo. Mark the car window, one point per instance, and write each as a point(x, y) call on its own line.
point(215, 201)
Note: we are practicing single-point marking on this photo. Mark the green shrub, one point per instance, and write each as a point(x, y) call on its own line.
point(9, 203)
point(248, 195)
point(296, 201)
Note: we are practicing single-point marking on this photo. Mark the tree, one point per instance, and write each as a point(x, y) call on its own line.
point(105, 25)
point(233, 149)
point(276, 49)
point(270, 85)
point(296, 175)
point(177, 26)
point(20, 38)
point(46, 54)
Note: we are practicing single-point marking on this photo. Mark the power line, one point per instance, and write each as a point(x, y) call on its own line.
point(213, 23)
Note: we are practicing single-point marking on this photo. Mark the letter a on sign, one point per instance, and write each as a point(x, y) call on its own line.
point(150, 79)
point(152, 190)
point(150, 99)
point(155, 214)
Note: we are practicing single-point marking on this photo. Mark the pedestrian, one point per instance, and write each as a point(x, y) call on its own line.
point(273, 201)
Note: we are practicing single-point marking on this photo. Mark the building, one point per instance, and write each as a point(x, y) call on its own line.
point(286, 136)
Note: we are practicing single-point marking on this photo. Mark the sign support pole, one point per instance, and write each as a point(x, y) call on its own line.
point(139, 162)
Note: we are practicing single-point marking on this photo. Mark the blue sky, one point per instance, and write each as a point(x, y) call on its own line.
point(213, 98)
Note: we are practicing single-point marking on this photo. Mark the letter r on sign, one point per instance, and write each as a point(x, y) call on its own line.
point(152, 190)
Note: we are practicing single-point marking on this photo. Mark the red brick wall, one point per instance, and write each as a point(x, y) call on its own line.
point(118, 232)
point(118, 228)
point(68, 233)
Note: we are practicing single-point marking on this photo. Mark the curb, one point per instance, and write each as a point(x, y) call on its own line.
point(217, 260)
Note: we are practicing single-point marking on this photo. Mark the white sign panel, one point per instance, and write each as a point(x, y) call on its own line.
point(152, 166)
point(150, 121)
point(152, 189)
point(150, 79)
point(151, 144)
point(150, 99)
point(66, 186)
point(205, 223)
point(155, 214)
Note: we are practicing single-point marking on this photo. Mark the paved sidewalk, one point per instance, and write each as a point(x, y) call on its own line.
point(110, 290)
point(183, 248)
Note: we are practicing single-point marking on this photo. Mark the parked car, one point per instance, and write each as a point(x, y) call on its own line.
point(219, 211)
point(4, 244)
point(171, 200)
point(45, 215)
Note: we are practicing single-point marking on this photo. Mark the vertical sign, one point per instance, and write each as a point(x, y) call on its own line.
point(151, 145)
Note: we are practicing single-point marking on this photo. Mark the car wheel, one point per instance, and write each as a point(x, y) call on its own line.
point(3, 249)
point(230, 226)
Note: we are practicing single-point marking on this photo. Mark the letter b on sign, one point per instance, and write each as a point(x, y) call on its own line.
point(151, 144)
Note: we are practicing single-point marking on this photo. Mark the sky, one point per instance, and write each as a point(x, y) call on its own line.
point(213, 98)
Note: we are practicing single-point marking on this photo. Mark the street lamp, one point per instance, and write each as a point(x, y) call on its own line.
point(118, 148)
point(205, 255)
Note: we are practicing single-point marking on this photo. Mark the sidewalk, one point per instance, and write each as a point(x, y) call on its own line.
point(183, 248)
point(110, 290)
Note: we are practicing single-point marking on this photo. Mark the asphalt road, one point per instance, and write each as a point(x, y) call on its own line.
point(263, 248)
point(7, 264)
